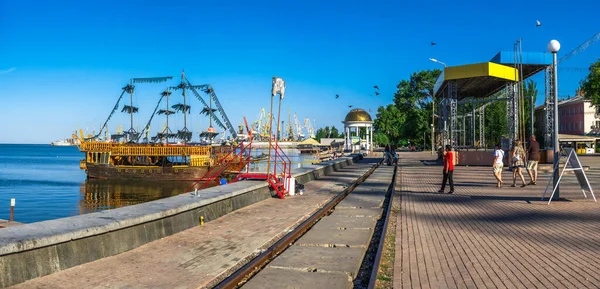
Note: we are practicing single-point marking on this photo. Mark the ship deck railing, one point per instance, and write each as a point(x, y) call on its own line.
point(133, 150)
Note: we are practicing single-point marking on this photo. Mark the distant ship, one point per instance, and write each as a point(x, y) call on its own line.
point(63, 143)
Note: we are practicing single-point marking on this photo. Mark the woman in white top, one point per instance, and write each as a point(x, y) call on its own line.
point(498, 165)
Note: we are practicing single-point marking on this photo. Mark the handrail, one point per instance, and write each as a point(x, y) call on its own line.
point(224, 162)
point(135, 150)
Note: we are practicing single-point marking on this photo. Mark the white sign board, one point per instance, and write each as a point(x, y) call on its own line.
point(12, 202)
point(572, 164)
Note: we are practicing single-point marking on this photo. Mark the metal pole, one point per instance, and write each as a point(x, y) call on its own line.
point(473, 119)
point(432, 121)
point(556, 141)
point(531, 114)
point(12, 210)
point(270, 135)
point(277, 135)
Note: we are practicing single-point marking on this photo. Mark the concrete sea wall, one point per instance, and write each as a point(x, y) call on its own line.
point(34, 250)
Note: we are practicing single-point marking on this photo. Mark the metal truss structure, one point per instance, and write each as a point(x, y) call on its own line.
point(549, 107)
point(512, 110)
point(453, 102)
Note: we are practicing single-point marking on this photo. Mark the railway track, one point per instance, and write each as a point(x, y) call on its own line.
point(337, 247)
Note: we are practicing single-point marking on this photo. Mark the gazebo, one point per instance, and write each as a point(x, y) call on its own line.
point(355, 121)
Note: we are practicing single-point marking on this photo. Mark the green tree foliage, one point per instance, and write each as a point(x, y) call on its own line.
point(413, 101)
point(335, 133)
point(389, 122)
point(495, 122)
point(529, 91)
point(591, 84)
point(327, 132)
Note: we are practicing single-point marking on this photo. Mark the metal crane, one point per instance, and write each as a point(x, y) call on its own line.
point(309, 128)
point(299, 133)
point(290, 127)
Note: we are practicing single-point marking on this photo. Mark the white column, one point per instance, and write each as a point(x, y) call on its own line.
point(367, 142)
point(347, 136)
point(371, 132)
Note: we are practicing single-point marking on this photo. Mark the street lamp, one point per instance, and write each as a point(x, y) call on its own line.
point(554, 47)
point(445, 131)
point(432, 118)
point(437, 61)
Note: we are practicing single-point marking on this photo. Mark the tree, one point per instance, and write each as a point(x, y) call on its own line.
point(413, 100)
point(335, 133)
point(529, 91)
point(495, 122)
point(591, 84)
point(389, 121)
point(322, 133)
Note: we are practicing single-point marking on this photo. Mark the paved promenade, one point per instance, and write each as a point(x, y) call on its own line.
point(199, 257)
point(488, 237)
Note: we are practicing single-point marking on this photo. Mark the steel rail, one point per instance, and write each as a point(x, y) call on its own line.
point(377, 261)
point(260, 261)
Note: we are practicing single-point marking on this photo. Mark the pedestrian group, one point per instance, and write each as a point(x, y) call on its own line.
point(518, 160)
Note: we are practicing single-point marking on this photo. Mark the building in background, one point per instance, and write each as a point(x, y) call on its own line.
point(578, 123)
point(576, 116)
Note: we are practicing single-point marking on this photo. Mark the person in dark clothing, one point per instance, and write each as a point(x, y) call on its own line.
point(533, 158)
point(448, 169)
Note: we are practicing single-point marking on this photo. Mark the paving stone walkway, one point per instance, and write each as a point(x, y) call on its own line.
point(488, 237)
point(201, 256)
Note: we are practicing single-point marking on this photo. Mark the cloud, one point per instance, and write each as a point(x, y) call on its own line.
point(8, 70)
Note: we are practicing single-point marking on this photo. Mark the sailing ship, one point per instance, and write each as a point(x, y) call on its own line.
point(168, 155)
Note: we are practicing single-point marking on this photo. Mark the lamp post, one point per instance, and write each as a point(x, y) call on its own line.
point(433, 109)
point(554, 47)
point(432, 136)
point(437, 61)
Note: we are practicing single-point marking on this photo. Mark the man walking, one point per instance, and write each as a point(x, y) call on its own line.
point(448, 169)
point(533, 154)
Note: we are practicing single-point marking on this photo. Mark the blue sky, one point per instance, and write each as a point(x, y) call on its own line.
point(62, 63)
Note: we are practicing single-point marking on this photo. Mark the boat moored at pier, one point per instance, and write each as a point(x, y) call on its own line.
point(168, 155)
point(105, 160)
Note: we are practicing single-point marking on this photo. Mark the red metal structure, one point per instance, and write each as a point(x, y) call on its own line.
point(278, 175)
point(278, 178)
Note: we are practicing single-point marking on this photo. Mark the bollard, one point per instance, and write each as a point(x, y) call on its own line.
point(12, 210)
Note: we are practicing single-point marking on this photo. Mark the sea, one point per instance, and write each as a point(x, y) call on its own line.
point(47, 184)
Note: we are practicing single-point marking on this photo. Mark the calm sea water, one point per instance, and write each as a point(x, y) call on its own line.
point(47, 184)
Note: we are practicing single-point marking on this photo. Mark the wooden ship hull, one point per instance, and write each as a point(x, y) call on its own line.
point(177, 173)
point(113, 161)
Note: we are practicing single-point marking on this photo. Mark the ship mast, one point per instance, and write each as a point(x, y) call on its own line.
point(184, 103)
point(167, 130)
point(131, 129)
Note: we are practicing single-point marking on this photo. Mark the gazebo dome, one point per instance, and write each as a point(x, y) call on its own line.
point(358, 114)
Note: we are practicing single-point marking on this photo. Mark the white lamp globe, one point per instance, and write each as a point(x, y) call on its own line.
point(554, 46)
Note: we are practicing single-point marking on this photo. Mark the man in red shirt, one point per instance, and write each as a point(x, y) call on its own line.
point(448, 169)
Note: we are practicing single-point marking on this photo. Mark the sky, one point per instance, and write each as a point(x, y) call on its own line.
point(63, 63)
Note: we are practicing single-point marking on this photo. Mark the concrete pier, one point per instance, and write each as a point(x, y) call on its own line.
point(6, 224)
point(195, 255)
